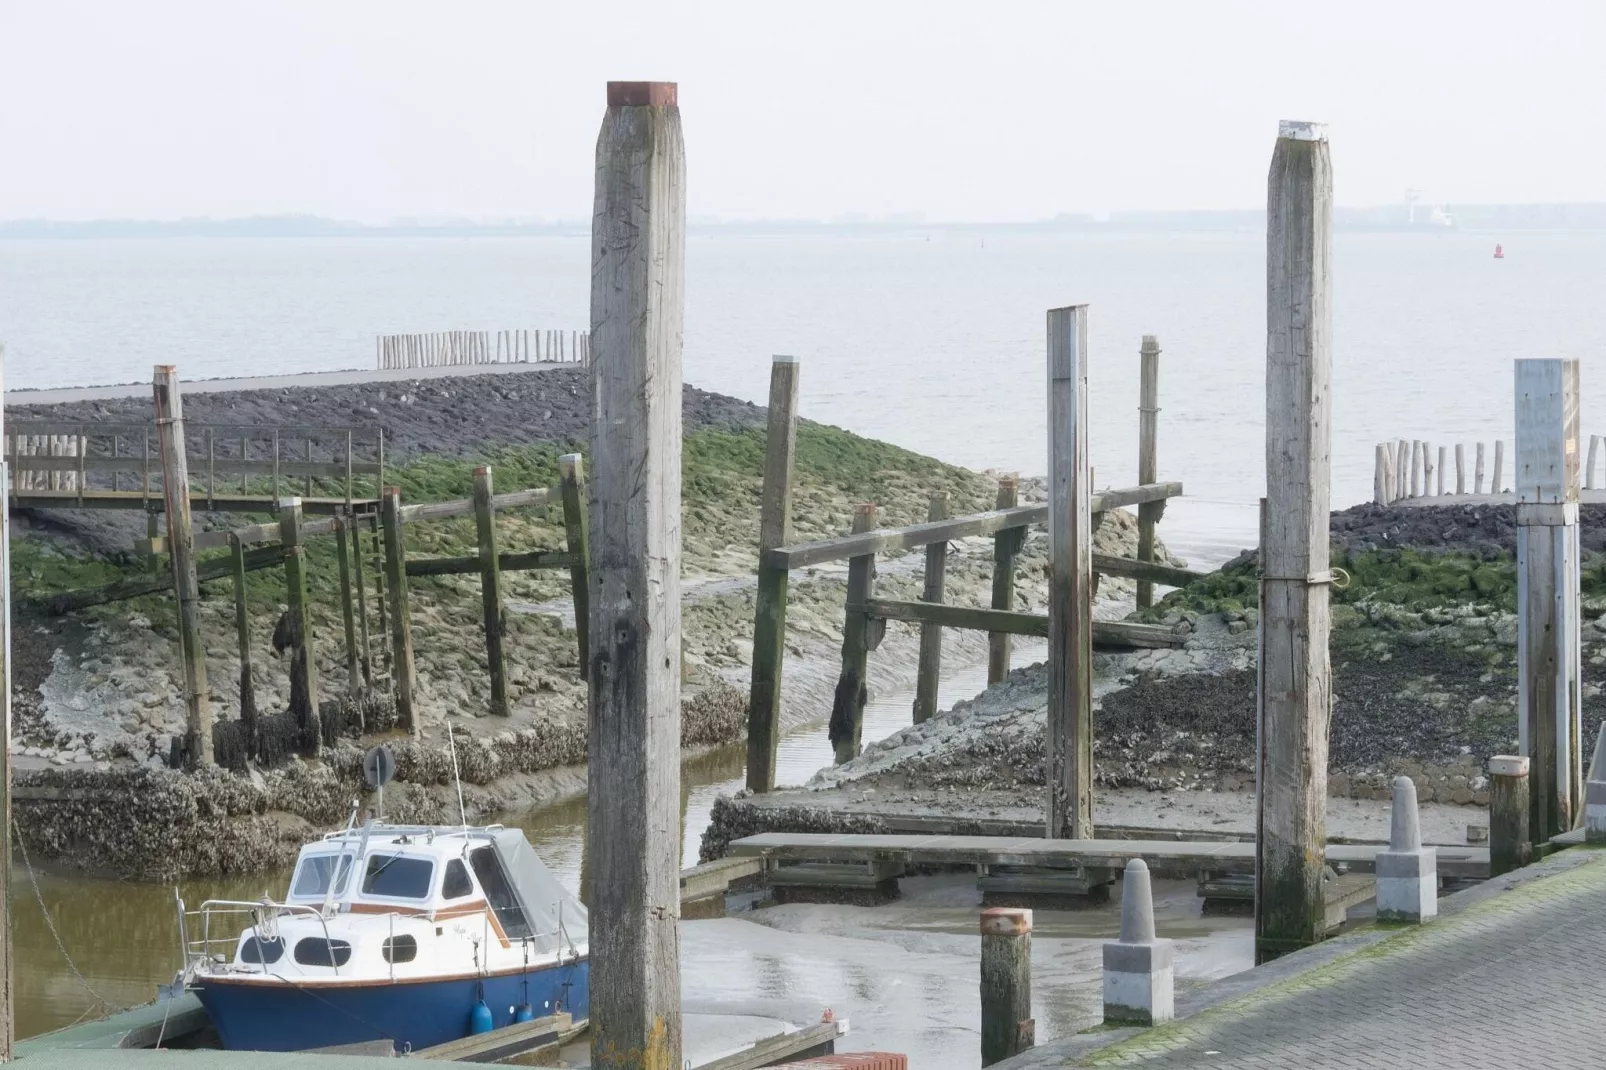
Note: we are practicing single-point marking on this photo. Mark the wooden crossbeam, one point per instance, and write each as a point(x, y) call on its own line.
point(1105, 633)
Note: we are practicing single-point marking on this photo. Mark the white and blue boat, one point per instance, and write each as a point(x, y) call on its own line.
point(414, 934)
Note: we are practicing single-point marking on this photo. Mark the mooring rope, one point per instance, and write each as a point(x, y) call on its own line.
point(50, 923)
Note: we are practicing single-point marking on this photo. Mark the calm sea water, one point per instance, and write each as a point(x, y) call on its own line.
point(932, 341)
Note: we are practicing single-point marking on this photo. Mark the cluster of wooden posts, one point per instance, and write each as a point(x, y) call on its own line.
point(28, 477)
point(1410, 468)
point(440, 349)
point(373, 571)
point(865, 615)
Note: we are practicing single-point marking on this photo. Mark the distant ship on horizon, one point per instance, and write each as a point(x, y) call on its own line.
point(1414, 216)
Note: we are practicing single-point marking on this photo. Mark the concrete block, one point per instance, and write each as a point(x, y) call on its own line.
point(1595, 811)
point(1407, 873)
point(1139, 973)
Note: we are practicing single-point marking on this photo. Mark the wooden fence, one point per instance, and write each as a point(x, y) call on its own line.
point(440, 349)
point(1409, 468)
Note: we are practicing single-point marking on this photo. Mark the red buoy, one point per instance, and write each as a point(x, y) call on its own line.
point(1499, 253)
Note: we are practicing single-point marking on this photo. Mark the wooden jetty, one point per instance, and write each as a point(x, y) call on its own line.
point(440, 349)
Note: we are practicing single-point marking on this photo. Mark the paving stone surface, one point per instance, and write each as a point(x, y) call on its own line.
point(1513, 979)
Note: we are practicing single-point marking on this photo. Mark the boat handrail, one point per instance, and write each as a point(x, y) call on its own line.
point(197, 951)
point(439, 831)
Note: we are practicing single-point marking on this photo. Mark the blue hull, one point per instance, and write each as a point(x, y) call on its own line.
point(420, 1014)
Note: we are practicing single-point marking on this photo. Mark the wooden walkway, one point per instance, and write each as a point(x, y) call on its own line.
point(1164, 855)
point(199, 501)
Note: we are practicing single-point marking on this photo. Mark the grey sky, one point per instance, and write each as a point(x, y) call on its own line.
point(371, 109)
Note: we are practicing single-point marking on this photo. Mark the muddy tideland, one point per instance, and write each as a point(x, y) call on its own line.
point(98, 693)
point(1424, 685)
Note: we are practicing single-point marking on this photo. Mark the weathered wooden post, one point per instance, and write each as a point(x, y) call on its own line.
point(1070, 582)
point(1416, 469)
point(1510, 835)
point(359, 569)
point(491, 589)
point(401, 625)
point(1427, 468)
point(1460, 468)
point(769, 613)
point(1295, 682)
point(242, 632)
point(7, 988)
point(181, 550)
point(1496, 483)
point(1149, 513)
point(572, 477)
point(1589, 465)
point(1006, 546)
point(1380, 487)
point(303, 662)
point(1007, 1025)
point(929, 671)
point(348, 614)
point(638, 244)
point(846, 730)
point(1549, 699)
point(1477, 469)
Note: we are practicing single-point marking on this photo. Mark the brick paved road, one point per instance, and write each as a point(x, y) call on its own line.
point(1518, 979)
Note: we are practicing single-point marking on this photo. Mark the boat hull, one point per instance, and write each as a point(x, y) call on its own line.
point(257, 1016)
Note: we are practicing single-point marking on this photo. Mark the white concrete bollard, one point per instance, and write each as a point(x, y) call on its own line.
point(1138, 975)
point(1595, 793)
point(1407, 873)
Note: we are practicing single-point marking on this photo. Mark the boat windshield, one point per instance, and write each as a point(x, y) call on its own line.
point(312, 876)
point(394, 876)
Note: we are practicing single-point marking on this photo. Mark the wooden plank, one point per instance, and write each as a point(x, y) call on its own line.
point(1006, 547)
point(491, 590)
point(637, 315)
point(971, 618)
point(1295, 678)
point(807, 1042)
point(522, 561)
point(499, 1044)
point(412, 514)
point(571, 467)
point(769, 607)
point(136, 499)
point(1149, 513)
point(888, 540)
point(712, 878)
point(847, 708)
point(303, 657)
point(1069, 794)
point(928, 673)
point(402, 673)
point(221, 466)
point(1549, 688)
point(55, 605)
point(1147, 571)
point(180, 534)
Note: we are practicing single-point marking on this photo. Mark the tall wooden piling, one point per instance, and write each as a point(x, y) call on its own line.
point(1549, 699)
point(303, 662)
point(1427, 468)
point(359, 570)
point(638, 247)
point(401, 626)
point(242, 633)
point(1477, 469)
point(1380, 486)
point(1439, 485)
point(1510, 833)
point(929, 673)
point(1149, 513)
point(846, 730)
point(1295, 685)
point(348, 613)
point(1069, 803)
point(181, 550)
point(1498, 479)
point(491, 589)
point(7, 986)
point(572, 477)
point(1006, 546)
point(1589, 465)
point(1416, 469)
point(1007, 1026)
point(1460, 468)
point(769, 612)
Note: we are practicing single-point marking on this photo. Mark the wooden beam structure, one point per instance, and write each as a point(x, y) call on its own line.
point(633, 815)
point(1069, 796)
point(928, 676)
point(1108, 634)
point(852, 689)
point(577, 530)
point(303, 659)
point(491, 590)
point(186, 585)
point(1006, 547)
point(522, 561)
point(769, 609)
point(1295, 674)
point(1149, 513)
point(402, 675)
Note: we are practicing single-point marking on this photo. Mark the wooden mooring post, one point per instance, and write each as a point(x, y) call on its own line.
point(348, 610)
point(180, 541)
point(491, 589)
point(847, 707)
point(1295, 676)
point(401, 627)
point(1510, 835)
point(1006, 547)
point(572, 479)
point(1549, 698)
point(769, 613)
point(1149, 513)
point(637, 310)
point(303, 661)
point(1069, 802)
point(242, 632)
point(359, 571)
point(1007, 1026)
point(7, 981)
point(929, 673)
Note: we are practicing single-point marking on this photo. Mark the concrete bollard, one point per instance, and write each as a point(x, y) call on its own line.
point(1595, 793)
point(1138, 967)
point(1007, 1026)
point(1509, 844)
point(1407, 873)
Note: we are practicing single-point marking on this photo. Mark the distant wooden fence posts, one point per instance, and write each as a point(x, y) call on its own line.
point(441, 349)
point(866, 615)
point(1406, 469)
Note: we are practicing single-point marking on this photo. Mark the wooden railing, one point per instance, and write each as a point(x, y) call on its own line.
point(439, 349)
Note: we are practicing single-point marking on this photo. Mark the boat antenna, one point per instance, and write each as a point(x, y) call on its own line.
point(462, 814)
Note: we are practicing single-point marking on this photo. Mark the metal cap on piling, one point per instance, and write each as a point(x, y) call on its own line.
point(643, 94)
point(1006, 921)
point(1137, 904)
point(1405, 827)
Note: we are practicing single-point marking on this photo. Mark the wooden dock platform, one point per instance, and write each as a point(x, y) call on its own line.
point(1162, 856)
